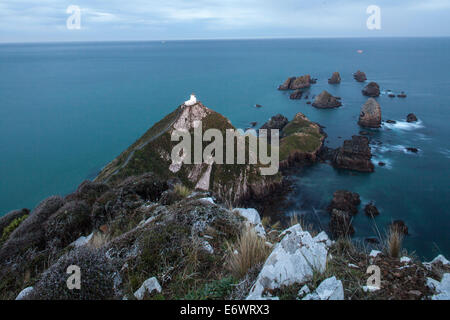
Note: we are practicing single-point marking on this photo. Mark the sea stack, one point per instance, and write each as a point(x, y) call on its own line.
point(326, 101)
point(411, 117)
point(360, 76)
point(371, 90)
point(355, 154)
point(370, 115)
point(335, 78)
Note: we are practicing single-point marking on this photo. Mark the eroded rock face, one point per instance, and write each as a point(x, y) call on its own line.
point(360, 76)
point(301, 82)
point(340, 224)
point(411, 117)
point(346, 201)
point(293, 260)
point(370, 115)
point(287, 84)
point(371, 90)
point(355, 154)
point(441, 289)
point(276, 122)
point(325, 101)
point(335, 78)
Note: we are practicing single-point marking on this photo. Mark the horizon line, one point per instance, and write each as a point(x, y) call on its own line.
point(218, 39)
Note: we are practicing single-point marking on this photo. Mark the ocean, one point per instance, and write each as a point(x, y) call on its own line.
point(67, 109)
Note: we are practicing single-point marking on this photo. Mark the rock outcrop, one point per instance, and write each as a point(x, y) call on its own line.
point(294, 83)
point(328, 289)
point(360, 76)
point(296, 95)
point(293, 260)
point(152, 152)
point(371, 90)
point(277, 122)
point(335, 78)
point(355, 154)
point(370, 115)
point(345, 201)
point(411, 117)
point(149, 286)
point(325, 101)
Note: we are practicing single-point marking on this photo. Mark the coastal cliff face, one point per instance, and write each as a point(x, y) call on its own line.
point(151, 153)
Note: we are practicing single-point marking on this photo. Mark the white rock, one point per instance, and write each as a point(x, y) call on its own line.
point(81, 241)
point(24, 293)
point(441, 289)
point(191, 101)
point(405, 260)
point(210, 200)
point(304, 290)
point(370, 288)
point(293, 260)
point(351, 265)
point(252, 219)
point(374, 253)
point(323, 237)
point(149, 286)
point(329, 289)
point(440, 258)
point(207, 247)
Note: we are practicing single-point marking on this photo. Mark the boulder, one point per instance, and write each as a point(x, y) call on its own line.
point(149, 286)
point(355, 154)
point(293, 260)
point(325, 101)
point(371, 210)
point(411, 117)
point(252, 219)
point(371, 90)
point(401, 95)
point(24, 293)
point(441, 289)
point(297, 94)
point(335, 78)
point(328, 289)
point(360, 76)
point(345, 201)
point(370, 115)
point(412, 149)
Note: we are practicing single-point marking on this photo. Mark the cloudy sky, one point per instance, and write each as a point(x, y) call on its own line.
point(45, 20)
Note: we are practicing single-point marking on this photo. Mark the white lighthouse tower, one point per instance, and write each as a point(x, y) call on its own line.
point(191, 101)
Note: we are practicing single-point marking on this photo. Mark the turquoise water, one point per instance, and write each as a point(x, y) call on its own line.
point(68, 109)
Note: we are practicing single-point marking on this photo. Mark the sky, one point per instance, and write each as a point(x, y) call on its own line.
point(115, 20)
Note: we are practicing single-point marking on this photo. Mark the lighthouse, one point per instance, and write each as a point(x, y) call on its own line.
point(191, 101)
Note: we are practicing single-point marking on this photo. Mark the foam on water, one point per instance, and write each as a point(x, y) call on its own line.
point(404, 126)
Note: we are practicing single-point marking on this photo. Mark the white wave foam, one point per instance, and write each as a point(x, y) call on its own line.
point(404, 125)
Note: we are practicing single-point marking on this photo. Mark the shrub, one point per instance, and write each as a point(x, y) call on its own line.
point(97, 277)
point(251, 250)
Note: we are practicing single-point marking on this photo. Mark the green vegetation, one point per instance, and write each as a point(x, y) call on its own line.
point(11, 227)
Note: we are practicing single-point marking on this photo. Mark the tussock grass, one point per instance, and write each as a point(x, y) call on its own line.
point(182, 190)
point(251, 250)
point(394, 243)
